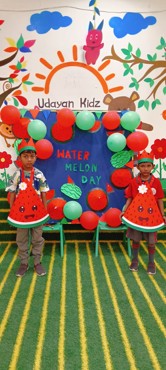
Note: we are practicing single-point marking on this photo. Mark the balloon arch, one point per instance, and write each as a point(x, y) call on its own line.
point(87, 158)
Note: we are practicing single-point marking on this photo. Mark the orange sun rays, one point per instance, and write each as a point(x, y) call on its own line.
point(74, 63)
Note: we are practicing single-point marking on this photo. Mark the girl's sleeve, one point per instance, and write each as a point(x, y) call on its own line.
point(128, 191)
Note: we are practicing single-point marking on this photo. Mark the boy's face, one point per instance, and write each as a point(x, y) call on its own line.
point(28, 158)
point(145, 168)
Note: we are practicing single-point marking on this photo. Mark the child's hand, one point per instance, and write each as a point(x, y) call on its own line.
point(121, 215)
point(164, 218)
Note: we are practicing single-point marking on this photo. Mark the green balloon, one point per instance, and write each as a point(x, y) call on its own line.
point(72, 210)
point(85, 120)
point(130, 120)
point(37, 129)
point(116, 142)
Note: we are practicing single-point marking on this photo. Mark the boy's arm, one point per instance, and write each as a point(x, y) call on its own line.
point(12, 198)
point(161, 208)
point(43, 197)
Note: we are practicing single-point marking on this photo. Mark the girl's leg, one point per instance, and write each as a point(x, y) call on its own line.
point(151, 264)
point(135, 250)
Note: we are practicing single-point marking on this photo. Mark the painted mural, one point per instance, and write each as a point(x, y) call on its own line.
point(65, 69)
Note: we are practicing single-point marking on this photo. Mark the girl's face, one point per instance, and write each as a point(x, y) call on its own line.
point(145, 168)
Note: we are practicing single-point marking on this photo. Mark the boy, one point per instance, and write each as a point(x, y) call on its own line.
point(27, 156)
point(145, 167)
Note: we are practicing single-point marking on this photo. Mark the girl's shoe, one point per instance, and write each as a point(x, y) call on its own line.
point(151, 270)
point(134, 265)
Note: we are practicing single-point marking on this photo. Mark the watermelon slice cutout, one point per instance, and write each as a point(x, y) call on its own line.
point(71, 190)
point(28, 210)
point(143, 213)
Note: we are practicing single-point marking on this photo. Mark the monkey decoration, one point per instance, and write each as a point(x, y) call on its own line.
point(7, 133)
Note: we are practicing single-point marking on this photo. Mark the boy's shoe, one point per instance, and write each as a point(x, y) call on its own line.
point(151, 270)
point(22, 270)
point(40, 269)
point(134, 265)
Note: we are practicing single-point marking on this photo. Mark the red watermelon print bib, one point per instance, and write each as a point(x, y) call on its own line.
point(28, 210)
point(143, 213)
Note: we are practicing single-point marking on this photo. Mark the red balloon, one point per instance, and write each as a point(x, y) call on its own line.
point(61, 134)
point(97, 199)
point(20, 129)
point(96, 126)
point(112, 217)
point(10, 115)
point(44, 149)
point(25, 121)
point(89, 220)
point(66, 117)
point(121, 177)
point(55, 208)
point(137, 141)
point(111, 120)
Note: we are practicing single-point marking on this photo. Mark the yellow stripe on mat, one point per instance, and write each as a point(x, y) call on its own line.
point(161, 254)
point(9, 308)
point(5, 252)
point(21, 330)
point(148, 300)
point(41, 335)
point(104, 340)
point(7, 232)
point(154, 282)
point(143, 332)
point(61, 344)
point(157, 265)
point(118, 315)
point(8, 272)
point(83, 341)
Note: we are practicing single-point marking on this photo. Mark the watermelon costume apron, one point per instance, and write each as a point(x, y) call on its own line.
point(143, 213)
point(28, 210)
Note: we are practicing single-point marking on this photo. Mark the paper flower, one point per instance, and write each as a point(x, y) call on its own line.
point(159, 150)
point(142, 189)
point(22, 186)
point(5, 160)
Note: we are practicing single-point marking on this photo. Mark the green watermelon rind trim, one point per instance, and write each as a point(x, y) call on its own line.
point(148, 229)
point(28, 225)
